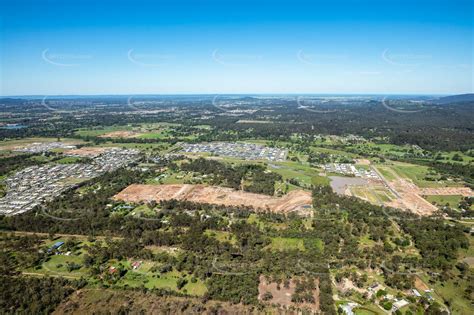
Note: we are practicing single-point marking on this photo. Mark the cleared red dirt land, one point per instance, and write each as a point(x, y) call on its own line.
point(295, 201)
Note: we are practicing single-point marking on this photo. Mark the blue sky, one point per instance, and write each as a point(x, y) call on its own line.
point(171, 47)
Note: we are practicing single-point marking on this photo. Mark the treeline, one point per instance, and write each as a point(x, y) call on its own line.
point(445, 128)
point(12, 163)
point(84, 210)
point(25, 295)
point(229, 269)
point(437, 241)
point(465, 172)
point(251, 177)
point(233, 288)
point(222, 174)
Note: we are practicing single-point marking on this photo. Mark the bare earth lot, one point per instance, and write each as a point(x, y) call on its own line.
point(410, 198)
point(283, 295)
point(409, 195)
point(295, 201)
point(420, 285)
point(394, 190)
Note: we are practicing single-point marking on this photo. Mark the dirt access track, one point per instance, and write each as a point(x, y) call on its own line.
point(295, 201)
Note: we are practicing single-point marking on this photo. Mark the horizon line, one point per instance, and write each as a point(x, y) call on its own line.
point(230, 94)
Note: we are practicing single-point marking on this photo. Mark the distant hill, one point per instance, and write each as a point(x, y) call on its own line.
point(461, 98)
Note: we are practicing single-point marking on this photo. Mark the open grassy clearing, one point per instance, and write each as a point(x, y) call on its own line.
point(143, 131)
point(383, 194)
point(448, 157)
point(254, 219)
point(467, 255)
point(286, 243)
point(364, 193)
point(57, 264)
point(168, 280)
point(304, 174)
point(163, 134)
point(99, 131)
point(143, 210)
point(417, 174)
point(375, 194)
point(440, 200)
point(451, 290)
point(367, 310)
point(386, 172)
point(386, 149)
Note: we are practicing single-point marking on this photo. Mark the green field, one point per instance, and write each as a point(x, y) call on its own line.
point(143, 210)
point(440, 200)
point(56, 265)
point(448, 157)
point(254, 219)
point(135, 278)
point(286, 243)
point(154, 135)
point(146, 131)
point(452, 292)
point(386, 172)
point(52, 266)
point(375, 195)
point(305, 174)
point(365, 310)
point(416, 173)
point(101, 131)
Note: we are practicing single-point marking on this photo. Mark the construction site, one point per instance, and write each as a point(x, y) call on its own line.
point(394, 190)
point(297, 201)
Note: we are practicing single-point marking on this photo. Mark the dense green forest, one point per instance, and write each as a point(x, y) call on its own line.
point(332, 241)
point(34, 295)
point(445, 127)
